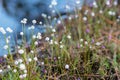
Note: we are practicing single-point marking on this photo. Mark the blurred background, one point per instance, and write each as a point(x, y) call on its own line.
point(13, 11)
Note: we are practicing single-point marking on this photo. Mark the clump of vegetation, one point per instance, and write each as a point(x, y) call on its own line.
point(83, 46)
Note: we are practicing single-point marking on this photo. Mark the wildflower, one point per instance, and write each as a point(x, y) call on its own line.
point(21, 76)
point(9, 30)
point(39, 36)
point(34, 37)
point(2, 30)
point(67, 7)
point(51, 42)
point(25, 71)
point(40, 23)
point(20, 60)
point(5, 56)
point(42, 63)
point(115, 3)
point(22, 67)
point(21, 51)
point(86, 42)
point(84, 18)
point(100, 11)
point(1, 70)
point(43, 15)
point(8, 66)
point(69, 37)
point(21, 33)
point(15, 70)
point(66, 66)
point(32, 27)
point(36, 43)
point(107, 2)
point(78, 2)
point(7, 40)
point(31, 51)
point(59, 22)
point(98, 43)
point(5, 47)
point(16, 62)
point(47, 38)
point(29, 59)
point(61, 46)
point(35, 58)
point(24, 21)
point(54, 2)
point(56, 42)
point(53, 30)
point(92, 14)
point(95, 4)
point(34, 21)
point(81, 45)
point(24, 75)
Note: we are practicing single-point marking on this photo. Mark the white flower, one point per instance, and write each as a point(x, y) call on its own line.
point(2, 30)
point(1, 70)
point(9, 30)
point(40, 23)
point(61, 46)
point(51, 42)
point(84, 18)
point(47, 38)
point(39, 36)
point(95, 4)
point(56, 42)
point(59, 22)
point(22, 67)
point(32, 27)
point(32, 51)
point(86, 42)
point(98, 43)
point(8, 66)
point(29, 59)
point(66, 66)
point(53, 30)
point(81, 45)
point(5, 47)
point(15, 70)
point(24, 75)
point(16, 62)
point(21, 76)
point(43, 15)
point(81, 40)
point(24, 21)
point(78, 2)
point(34, 36)
point(42, 63)
point(115, 3)
point(21, 51)
point(108, 2)
point(100, 11)
point(67, 7)
point(7, 40)
point(69, 37)
point(5, 56)
point(34, 21)
point(20, 60)
point(35, 58)
point(93, 14)
point(25, 71)
point(21, 33)
point(54, 2)
point(36, 43)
